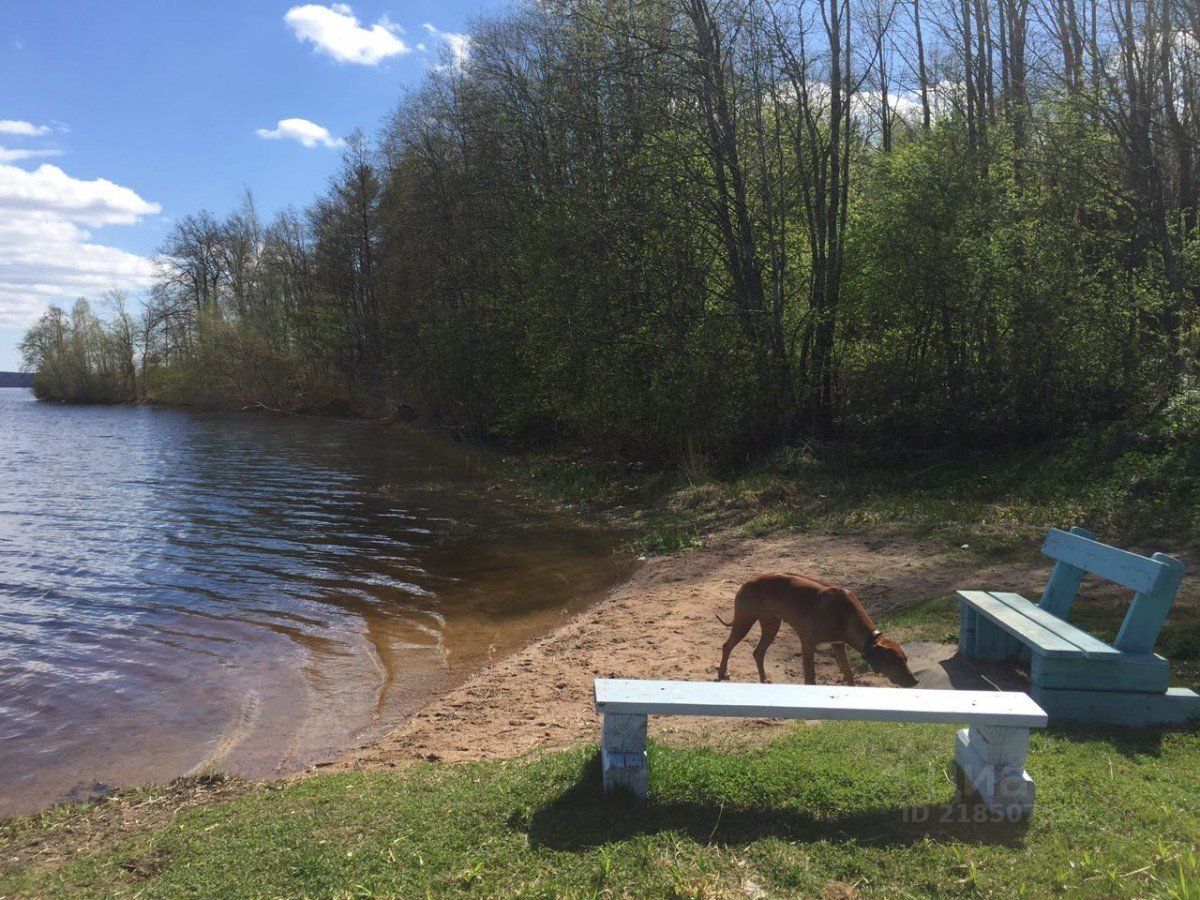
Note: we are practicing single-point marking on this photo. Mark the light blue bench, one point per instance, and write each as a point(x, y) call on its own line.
point(989, 754)
point(1075, 676)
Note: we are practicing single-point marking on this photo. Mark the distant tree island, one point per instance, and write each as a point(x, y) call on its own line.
point(16, 379)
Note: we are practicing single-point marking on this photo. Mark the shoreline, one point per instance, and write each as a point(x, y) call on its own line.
point(395, 573)
point(381, 816)
point(662, 623)
point(659, 621)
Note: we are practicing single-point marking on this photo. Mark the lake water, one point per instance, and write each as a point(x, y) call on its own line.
point(182, 590)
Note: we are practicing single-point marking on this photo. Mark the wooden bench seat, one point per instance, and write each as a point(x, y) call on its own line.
point(990, 753)
point(1061, 656)
point(1130, 681)
point(1036, 628)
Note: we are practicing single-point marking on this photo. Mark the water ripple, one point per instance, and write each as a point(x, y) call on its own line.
point(160, 569)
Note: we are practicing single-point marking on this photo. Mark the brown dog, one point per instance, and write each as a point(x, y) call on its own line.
point(820, 613)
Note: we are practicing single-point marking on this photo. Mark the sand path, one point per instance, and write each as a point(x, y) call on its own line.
point(661, 624)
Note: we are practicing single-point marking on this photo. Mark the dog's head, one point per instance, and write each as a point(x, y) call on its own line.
point(888, 659)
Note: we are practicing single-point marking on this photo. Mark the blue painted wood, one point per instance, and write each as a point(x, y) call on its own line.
point(991, 767)
point(1139, 632)
point(990, 640)
point(1064, 582)
point(1014, 620)
point(1176, 706)
point(1012, 647)
point(1080, 677)
point(815, 701)
point(623, 753)
point(1131, 672)
point(966, 630)
point(1091, 647)
point(1110, 563)
point(990, 755)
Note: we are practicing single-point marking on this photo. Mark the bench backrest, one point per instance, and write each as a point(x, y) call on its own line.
point(1154, 580)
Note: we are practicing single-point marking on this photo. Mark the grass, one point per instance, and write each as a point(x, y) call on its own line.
point(1127, 485)
point(935, 619)
point(834, 809)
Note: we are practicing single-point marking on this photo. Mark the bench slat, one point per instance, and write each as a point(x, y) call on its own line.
point(1110, 563)
point(1130, 672)
point(1047, 641)
point(800, 701)
point(1092, 647)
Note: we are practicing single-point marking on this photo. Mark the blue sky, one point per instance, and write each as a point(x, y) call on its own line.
point(118, 117)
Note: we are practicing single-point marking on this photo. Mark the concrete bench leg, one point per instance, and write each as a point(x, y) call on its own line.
point(991, 763)
point(623, 753)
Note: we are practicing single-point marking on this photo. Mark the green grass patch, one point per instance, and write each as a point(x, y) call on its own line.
point(1125, 484)
point(935, 619)
point(860, 804)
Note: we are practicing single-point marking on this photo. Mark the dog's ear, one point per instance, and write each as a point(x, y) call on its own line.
point(871, 652)
point(883, 643)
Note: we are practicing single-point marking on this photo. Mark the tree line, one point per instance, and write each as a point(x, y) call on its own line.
point(667, 228)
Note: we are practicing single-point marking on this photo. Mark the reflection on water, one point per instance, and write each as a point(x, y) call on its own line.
point(181, 590)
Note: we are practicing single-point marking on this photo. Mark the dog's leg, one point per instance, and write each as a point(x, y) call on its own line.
point(739, 629)
point(810, 665)
point(770, 628)
point(839, 650)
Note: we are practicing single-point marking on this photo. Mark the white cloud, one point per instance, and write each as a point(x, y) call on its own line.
point(8, 155)
point(310, 134)
point(23, 129)
point(866, 105)
point(336, 31)
point(46, 252)
point(459, 45)
point(49, 189)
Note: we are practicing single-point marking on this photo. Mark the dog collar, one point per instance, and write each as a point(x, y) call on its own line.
point(875, 636)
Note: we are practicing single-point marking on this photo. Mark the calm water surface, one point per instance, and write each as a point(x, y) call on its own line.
point(183, 590)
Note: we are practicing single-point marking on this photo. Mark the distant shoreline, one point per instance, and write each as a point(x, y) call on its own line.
point(16, 379)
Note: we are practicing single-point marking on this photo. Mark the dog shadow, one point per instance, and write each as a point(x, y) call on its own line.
point(584, 817)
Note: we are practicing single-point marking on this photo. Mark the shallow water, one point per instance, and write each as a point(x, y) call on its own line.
point(182, 591)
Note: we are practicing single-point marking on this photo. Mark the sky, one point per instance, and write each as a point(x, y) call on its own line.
point(118, 117)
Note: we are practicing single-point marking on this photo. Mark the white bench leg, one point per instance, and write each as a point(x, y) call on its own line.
point(623, 753)
point(991, 763)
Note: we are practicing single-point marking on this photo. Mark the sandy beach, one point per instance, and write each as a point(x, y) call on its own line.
point(662, 623)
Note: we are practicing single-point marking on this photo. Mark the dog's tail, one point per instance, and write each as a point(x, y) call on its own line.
point(735, 599)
